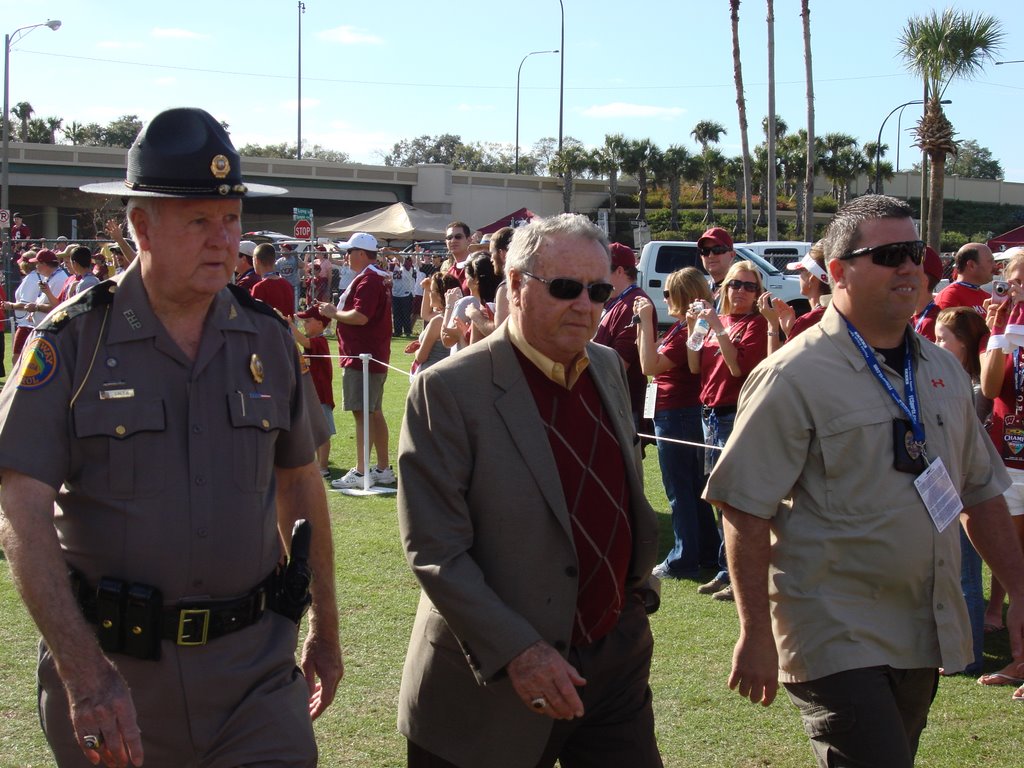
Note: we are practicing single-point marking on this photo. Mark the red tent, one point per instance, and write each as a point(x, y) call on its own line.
point(514, 219)
point(1007, 240)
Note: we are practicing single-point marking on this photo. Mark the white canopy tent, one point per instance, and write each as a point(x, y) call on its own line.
point(393, 222)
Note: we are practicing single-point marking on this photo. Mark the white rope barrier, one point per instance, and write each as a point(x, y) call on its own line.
point(679, 442)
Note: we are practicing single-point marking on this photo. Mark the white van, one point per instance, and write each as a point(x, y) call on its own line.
point(778, 252)
point(660, 258)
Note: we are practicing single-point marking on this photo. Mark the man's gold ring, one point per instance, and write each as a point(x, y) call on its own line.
point(92, 742)
point(539, 703)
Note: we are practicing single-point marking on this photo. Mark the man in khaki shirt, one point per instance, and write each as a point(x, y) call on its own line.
point(846, 581)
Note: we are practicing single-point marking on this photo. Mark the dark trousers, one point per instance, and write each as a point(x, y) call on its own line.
point(401, 312)
point(866, 718)
point(617, 729)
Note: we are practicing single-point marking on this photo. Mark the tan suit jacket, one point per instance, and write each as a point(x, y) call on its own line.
point(486, 530)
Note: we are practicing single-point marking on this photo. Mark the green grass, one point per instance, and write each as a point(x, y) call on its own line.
point(699, 721)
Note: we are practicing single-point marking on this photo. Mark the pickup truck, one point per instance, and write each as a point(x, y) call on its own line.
point(660, 258)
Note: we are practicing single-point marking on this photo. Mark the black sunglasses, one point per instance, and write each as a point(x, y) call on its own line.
point(891, 254)
point(718, 250)
point(746, 285)
point(568, 289)
point(665, 294)
point(454, 237)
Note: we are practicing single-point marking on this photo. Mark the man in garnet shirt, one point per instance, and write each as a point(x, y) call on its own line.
point(522, 513)
point(245, 274)
point(271, 288)
point(974, 267)
point(617, 330)
point(364, 327)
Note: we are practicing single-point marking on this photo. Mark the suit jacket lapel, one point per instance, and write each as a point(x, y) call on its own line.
point(518, 410)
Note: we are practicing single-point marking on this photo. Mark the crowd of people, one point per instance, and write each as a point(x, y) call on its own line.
point(830, 472)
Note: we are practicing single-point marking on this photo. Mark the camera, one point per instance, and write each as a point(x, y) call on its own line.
point(1000, 290)
point(698, 306)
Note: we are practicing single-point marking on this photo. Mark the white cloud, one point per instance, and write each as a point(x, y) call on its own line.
point(118, 44)
point(177, 34)
point(347, 35)
point(622, 109)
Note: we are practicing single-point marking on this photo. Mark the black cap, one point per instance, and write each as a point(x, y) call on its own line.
point(183, 152)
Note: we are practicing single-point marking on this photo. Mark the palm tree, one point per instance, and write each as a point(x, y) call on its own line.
point(706, 133)
point(773, 131)
point(741, 106)
point(568, 162)
point(793, 158)
point(941, 48)
point(835, 161)
point(74, 132)
point(606, 161)
point(675, 164)
point(874, 152)
point(53, 125)
point(23, 111)
point(773, 216)
point(805, 13)
point(638, 159)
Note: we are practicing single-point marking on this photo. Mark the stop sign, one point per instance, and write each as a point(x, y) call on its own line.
point(303, 229)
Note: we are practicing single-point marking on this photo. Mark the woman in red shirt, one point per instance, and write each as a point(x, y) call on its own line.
point(737, 341)
point(677, 417)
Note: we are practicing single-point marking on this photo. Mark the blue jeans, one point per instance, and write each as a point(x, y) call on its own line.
point(682, 471)
point(716, 434)
point(971, 585)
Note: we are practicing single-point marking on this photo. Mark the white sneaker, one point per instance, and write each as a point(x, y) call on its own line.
point(384, 476)
point(351, 479)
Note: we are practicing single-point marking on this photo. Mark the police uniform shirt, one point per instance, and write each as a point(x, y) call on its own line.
point(164, 466)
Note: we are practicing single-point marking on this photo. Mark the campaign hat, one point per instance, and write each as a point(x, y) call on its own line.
point(185, 153)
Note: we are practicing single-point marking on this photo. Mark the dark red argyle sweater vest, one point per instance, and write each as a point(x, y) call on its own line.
point(589, 462)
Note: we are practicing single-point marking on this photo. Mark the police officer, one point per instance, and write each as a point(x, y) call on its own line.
point(177, 455)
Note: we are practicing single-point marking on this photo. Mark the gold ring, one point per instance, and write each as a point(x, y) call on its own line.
point(539, 703)
point(92, 742)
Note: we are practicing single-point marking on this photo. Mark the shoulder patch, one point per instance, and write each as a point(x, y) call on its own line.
point(99, 295)
point(245, 299)
point(38, 363)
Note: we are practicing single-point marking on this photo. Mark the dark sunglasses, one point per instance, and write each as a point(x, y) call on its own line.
point(891, 254)
point(718, 250)
point(746, 285)
point(454, 237)
point(665, 294)
point(568, 289)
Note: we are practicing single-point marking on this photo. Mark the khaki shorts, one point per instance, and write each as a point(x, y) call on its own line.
point(352, 389)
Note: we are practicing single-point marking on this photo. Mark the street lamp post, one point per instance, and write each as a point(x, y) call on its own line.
point(518, 73)
point(878, 143)
point(561, 77)
point(298, 141)
point(5, 189)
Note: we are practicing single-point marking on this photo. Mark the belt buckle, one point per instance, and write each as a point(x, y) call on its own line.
point(186, 634)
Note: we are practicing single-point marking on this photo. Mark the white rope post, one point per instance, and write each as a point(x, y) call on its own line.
point(366, 357)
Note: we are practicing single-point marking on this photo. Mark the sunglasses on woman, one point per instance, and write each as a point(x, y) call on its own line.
point(746, 285)
point(567, 289)
point(891, 254)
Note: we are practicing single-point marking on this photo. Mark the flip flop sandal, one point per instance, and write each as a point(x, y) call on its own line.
point(1018, 696)
point(998, 678)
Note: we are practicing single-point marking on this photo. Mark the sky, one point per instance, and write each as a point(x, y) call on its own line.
point(374, 73)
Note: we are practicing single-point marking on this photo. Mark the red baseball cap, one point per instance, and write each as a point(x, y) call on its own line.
point(718, 236)
point(622, 256)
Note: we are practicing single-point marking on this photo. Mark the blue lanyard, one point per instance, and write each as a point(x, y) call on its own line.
point(924, 316)
point(1018, 378)
point(620, 298)
point(910, 407)
point(671, 334)
point(970, 285)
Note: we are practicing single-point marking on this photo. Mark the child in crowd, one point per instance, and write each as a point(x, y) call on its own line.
point(317, 358)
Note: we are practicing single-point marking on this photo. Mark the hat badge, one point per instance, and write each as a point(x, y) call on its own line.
point(220, 167)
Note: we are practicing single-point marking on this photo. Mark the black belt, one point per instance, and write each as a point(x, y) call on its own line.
point(126, 613)
point(718, 410)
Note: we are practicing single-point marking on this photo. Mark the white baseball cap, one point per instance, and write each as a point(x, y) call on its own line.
point(247, 247)
point(360, 240)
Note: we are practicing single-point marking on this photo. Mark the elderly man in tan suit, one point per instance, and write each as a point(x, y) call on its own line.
point(523, 516)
